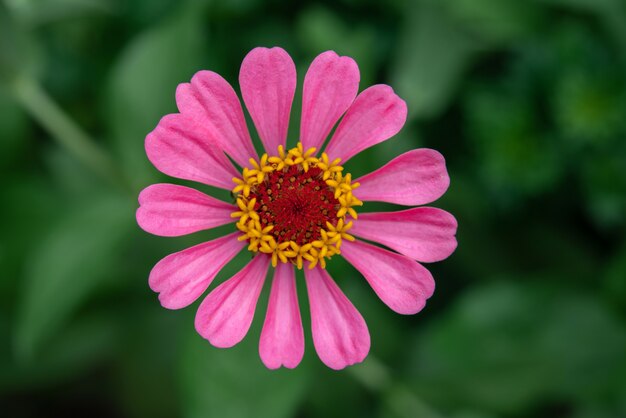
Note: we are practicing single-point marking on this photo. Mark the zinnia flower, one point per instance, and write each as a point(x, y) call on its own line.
point(293, 208)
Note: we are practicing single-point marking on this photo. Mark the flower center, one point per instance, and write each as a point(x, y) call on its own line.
point(294, 206)
point(297, 203)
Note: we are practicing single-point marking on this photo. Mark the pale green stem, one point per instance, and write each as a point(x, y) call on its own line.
point(401, 400)
point(65, 131)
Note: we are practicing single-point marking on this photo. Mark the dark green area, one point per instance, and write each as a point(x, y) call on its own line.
point(526, 100)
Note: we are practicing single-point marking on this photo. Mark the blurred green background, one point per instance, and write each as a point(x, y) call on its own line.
point(526, 100)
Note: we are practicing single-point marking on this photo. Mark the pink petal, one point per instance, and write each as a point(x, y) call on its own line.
point(268, 83)
point(181, 278)
point(424, 234)
point(340, 334)
point(224, 316)
point(377, 114)
point(180, 147)
point(213, 103)
point(330, 86)
point(282, 338)
point(401, 283)
point(170, 210)
point(416, 177)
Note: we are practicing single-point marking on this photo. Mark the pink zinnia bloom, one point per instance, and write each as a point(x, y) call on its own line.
point(294, 208)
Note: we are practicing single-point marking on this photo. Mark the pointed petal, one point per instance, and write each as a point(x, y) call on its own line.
point(180, 147)
point(181, 278)
point(401, 283)
point(211, 102)
point(416, 177)
point(225, 315)
point(268, 83)
point(340, 334)
point(170, 210)
point(330, 86)
point(424, 234)
point(282, 338)
point(376, 115)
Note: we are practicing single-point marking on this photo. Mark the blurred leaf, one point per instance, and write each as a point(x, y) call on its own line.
point(13, 128)
point(496, 21)
point(234, 383)
point(400, 402)
point(68, 353)
point(612, 14)
point(615, 282)
point(21, 225)
point(149, 340)
point(45, 11)
point(513, 157)
point(472, 414)
point(270, 31)
point(320, 29)
point(143, 82)
point(586, 5)
point(432, 57)
point(146, 12)
point(67, 265)
point(506, 347)
point(574, 48)
point(589, 105)
point(336, 395)
point(71, 177)
point(226, 9)
point(604, 184)
point(14, 46)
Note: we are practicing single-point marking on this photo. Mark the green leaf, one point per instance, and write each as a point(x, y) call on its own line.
point(433, 55)
point(234, 383)
point(605, 186)
point(146, 390)
point(14, 128)
point(615, 284)
point(319, 29)
point(143, 82)
point(586, 5)
point(67, 266)
point(21, 224)
point(71, 351)
point(508, 346)
point(15, 47)
point(611, 13)
point(496, 21)
point(514, 158)
point(46, 11)
point(588, 105)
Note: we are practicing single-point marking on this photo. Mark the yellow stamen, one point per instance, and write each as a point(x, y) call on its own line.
point(260, 238)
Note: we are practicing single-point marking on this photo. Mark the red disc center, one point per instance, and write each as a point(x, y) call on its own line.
point(297, 203)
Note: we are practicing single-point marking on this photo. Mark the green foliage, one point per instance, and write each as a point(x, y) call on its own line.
point(510, 345)
point(319, 29)
point(237, 385)
point(67, 266)
point(45, 11)
point(513, 156)
point(431, 58)
point(13, 126)
point(143, 81)
point(496, 21)
point(526, 101)
point(605, 185)
point(14, 47)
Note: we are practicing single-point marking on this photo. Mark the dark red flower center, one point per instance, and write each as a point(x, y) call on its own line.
point(297, 203)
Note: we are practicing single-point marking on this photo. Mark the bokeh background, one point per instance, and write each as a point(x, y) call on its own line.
point(526, 100)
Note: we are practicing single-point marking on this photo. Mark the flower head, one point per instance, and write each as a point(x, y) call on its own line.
point(294, 208)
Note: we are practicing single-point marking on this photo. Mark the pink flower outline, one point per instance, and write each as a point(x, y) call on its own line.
point(192, 144)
